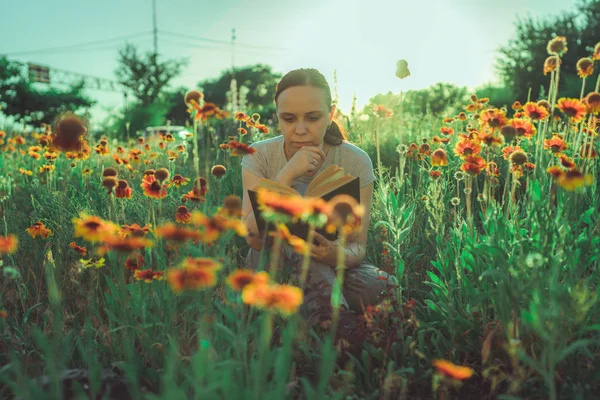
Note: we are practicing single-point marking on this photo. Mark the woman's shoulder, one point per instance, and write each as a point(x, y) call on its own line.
point(352, 151)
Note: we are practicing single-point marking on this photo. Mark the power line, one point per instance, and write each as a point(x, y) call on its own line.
point(97, 42)
point(223, 42)
point(218, 49)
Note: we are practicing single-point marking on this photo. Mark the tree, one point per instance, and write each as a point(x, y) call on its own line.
point(145, 75)
point(440, 99)
point(521, 61)
point(259, 78)
point(20, 99)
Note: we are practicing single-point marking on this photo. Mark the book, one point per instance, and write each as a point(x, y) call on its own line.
point(332, 181)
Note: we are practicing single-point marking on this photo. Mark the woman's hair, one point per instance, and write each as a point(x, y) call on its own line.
point(334, 135)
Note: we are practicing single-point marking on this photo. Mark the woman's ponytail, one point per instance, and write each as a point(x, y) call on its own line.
point(334, 135)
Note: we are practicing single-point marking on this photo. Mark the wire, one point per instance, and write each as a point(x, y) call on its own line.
point(202, 39)
point(58, 48)
point(218, 49)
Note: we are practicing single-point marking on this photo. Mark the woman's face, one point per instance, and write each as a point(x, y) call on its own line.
point(303, 117)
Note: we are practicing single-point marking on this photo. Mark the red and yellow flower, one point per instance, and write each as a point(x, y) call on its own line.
point(466, 148)
point(535, 112)
point(93, 228)
point(153, 188)
point(148, 275)
point(39, 229)
point(574, 109)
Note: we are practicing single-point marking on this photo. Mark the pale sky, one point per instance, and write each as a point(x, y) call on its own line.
point(443, 40)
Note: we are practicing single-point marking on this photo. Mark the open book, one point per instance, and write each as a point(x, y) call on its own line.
point(331, 182)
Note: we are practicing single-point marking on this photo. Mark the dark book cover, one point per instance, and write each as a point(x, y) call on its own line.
point(300, 229)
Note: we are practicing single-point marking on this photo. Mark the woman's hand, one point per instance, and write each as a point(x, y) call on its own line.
point(326, 251)
point(308, 159)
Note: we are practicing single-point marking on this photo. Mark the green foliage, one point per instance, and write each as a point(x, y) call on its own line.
point(145, 75)
point(22, 100)
point(521, 61)
point(260, 79)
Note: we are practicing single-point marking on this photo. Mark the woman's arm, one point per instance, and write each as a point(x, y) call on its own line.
point(356, 243)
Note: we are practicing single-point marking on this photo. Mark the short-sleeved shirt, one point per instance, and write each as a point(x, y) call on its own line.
point(269, 159)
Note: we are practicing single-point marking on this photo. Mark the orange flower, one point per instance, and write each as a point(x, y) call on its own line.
point(25, 172)
point(585, 67)
point(555, 171)
point(179, 180)
point(435, 174)
point(592, 101)
point(152, 188)
point(535, 112)
point(284, 299)
point(446, 130)
point(596, 55)
point(346, 213)
point(242, 131)
point(466, 148)
point(240, 278)
point(92, 228)
point(453, 371)
point(517, 106)
point(171, 232)
point(558, 45)
point(193, 274)
point(3, 314)
point(490, 139)
point(183, 215)
point(492, 169)
point(126, 244)
point(123, 191)
point(68, 133)
point(290, 206)
point(506, 152)
point(8, 244)
point(493, 118)
point(574, 109)
point(473, 165)
point(81, 250)
point(551, 63)
point(523, 127)
point(574, 179)
point(136, 230)
point(566, 161)
point(425, 149)
point(241, 116)
point(192, 195)
point(382, 111)
point(148, 275)
point(238, 148)
point(134, 262)
point(38, 229)
point(192, 95)
point(439, 158)
point(555, 144)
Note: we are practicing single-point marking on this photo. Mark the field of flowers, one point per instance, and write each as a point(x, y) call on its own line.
point(123, 261)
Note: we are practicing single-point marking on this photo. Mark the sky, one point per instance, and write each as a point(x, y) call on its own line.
point(453, 41)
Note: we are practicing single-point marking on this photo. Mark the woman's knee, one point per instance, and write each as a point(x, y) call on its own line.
point(365, 284)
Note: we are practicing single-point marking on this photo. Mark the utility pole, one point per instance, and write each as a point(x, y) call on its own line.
point(232, 53)
point(155, 28)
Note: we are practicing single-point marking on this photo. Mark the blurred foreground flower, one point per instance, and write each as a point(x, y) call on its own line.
point(8, 244)
point(453, 371)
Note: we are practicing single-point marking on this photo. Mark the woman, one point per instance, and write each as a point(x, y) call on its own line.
point(310, 141)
